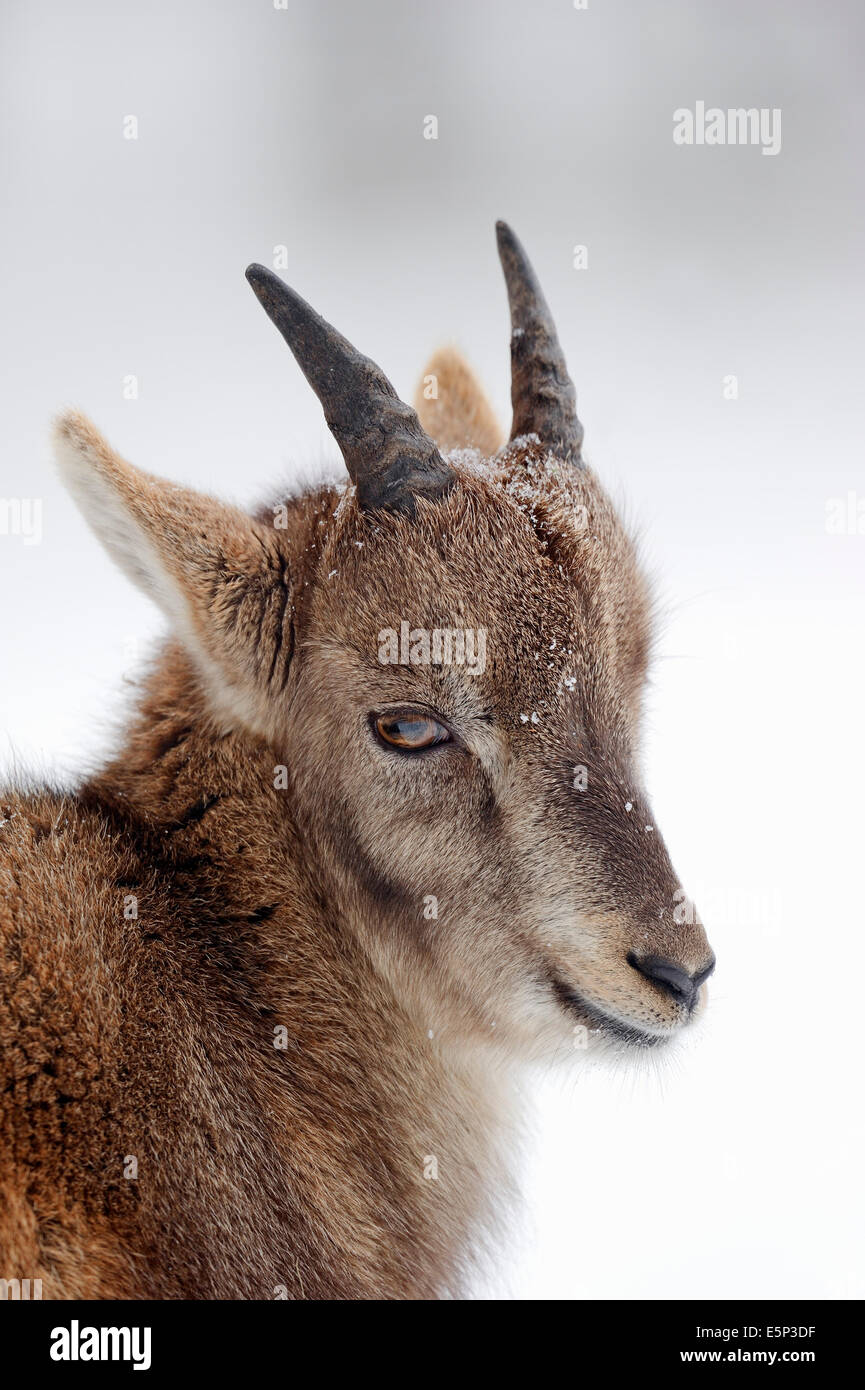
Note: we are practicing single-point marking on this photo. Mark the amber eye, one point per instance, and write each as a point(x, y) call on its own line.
point(410, 732)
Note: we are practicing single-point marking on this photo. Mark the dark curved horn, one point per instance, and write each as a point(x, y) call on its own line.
point(389, 456)
point(542, 393)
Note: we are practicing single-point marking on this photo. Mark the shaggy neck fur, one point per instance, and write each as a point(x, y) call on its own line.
point(299, 1065)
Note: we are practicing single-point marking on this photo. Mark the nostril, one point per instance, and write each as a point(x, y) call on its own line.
point(671, 977)
point(704, 974)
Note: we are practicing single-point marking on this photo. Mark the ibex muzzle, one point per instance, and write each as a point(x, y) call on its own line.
point(377, 831)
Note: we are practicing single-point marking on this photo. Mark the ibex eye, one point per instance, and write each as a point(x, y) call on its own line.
point(410, 732)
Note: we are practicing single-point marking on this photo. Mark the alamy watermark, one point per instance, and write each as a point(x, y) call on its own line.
point(77, 1343)
point(438, 646)
point(22, 516)
point(736, 126)
point(845, 516)
point(17, 1290)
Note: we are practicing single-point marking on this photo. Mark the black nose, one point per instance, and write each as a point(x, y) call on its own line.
point(671, 977)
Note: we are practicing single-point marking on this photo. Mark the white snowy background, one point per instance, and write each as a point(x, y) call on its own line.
point(734, 1170)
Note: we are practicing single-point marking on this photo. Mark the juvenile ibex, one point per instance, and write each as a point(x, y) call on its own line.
point(375, 837)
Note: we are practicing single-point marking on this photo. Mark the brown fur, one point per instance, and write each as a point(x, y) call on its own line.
point(260, 1168)
point(458, 415)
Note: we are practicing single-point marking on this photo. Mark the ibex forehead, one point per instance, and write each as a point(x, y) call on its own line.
point(525, 573)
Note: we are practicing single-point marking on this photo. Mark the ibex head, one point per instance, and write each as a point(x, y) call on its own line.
point(448, 658)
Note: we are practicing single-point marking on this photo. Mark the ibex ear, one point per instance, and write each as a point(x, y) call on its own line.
point(216, 573)
point(452, 407)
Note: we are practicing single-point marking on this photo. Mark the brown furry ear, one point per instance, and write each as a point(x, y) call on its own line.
point(216, 573)
point(459, 416)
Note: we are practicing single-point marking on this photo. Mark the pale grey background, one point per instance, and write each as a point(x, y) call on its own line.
point(735, 1170)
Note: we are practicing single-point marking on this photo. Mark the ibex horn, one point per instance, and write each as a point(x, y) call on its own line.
point(542, 394)
point(388, 455)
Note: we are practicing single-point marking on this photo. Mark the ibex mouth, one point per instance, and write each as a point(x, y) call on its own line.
point(590, 1014)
